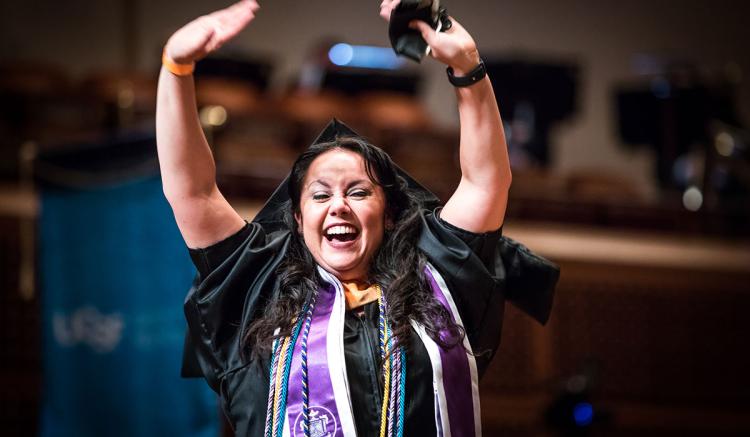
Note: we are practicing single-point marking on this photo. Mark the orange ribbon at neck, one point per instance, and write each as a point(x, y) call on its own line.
point(358, 294)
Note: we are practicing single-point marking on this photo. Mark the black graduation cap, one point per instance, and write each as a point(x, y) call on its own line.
point(271, 216)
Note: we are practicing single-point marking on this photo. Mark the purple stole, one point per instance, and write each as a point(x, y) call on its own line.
point(455, 377)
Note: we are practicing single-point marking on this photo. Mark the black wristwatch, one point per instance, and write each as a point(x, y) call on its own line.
point(474, 76)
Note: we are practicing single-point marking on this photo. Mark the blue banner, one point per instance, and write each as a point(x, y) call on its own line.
point(114, 272)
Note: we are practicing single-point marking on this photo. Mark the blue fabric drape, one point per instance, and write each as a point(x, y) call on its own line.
point(113, 273)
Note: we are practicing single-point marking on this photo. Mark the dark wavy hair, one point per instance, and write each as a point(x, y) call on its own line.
point(397, 266)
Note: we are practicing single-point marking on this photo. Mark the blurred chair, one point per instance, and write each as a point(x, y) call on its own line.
point(387, 110)
point(32, 79)
point(251, 143)
point(237, 97)
point(253, 154)
point(401, 125)
point(128, 97)
point(388, 115)
point(38, 103)
point(429, 157)
point(251, 166)
point(596, 185)
point(309, 113)
point(316, 108)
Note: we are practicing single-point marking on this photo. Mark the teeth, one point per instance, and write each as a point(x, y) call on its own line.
point(341, 229)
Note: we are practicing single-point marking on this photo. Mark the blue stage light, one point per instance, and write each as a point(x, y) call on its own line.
point(345, 55)
point(583, 414)
point(341, 54)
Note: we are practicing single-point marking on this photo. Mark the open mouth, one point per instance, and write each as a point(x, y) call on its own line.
point(341, 233)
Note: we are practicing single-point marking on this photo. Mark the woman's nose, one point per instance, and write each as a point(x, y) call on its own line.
point(339, 206)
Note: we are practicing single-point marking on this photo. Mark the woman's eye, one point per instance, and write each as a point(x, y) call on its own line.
point(320, 196)
point(358, 193)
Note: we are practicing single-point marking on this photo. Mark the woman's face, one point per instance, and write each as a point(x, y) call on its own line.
point(342, 214)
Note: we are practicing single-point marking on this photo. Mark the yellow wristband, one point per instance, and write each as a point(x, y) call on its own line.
point(174, 67)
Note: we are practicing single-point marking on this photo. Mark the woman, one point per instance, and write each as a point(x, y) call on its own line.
point(351, 304)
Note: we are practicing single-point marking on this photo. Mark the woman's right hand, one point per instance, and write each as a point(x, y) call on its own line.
point(188, 171)
point(205, 34)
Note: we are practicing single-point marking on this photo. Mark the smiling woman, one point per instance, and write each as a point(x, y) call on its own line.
point(353, 298)
point(341, 214)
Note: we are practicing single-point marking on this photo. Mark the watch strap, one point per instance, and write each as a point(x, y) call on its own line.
point(474, 76)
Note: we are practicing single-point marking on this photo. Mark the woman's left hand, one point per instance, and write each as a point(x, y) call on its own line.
point(454, 47)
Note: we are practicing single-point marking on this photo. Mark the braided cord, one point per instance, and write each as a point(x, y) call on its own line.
point(277, 389)
point(401, 392)
point(271, 387)
point(281, 412)
point(395, 378)
point(381, 324)
point(305, 387)
point(386, 396)
point(384, 341)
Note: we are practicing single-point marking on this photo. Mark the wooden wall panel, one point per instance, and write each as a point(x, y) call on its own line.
point(678, 337)
point(20, 341)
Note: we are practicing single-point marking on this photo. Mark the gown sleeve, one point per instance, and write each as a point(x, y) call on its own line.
point(234, 281)
point(482, 271)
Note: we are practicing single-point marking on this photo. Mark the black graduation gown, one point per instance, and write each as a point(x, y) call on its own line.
point(236, 278)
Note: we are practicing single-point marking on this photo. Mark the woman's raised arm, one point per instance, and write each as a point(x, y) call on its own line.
point(187, 167)
point(479, 202)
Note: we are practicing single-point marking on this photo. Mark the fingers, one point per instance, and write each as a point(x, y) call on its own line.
point(209, 32)
point(386, 7)
point(428, 33)
point(454, 47)
point(455, 26)
point(237, 15)
point(231, 21)
point(240, 6)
